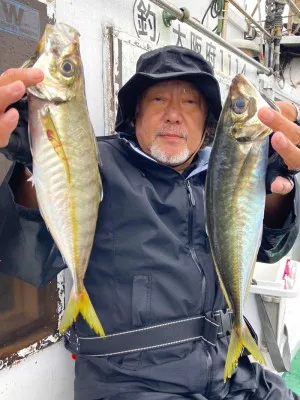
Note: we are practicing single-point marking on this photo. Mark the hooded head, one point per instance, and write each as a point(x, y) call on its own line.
point(163, 64)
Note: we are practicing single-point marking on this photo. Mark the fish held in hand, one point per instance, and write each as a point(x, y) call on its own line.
point(65, 161)
point(235, 202)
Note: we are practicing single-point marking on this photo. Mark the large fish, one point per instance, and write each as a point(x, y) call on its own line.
point(235, 202)
point(65, 160)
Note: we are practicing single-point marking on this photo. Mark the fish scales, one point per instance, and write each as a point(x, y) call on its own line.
point(235, 201)
point(65, 160)
point(246, 209)
point(53, 181)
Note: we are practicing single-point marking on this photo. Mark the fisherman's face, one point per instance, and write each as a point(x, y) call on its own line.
point(170, 122)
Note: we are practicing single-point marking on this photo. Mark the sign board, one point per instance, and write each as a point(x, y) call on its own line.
point(21, 25)
point(19, 19)
point(148, 23)
point(123, 50)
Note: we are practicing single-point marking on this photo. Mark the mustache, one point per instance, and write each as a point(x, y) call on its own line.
point(173, 131)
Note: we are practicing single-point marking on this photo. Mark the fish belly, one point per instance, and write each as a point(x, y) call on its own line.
point(235, 198)
point(236, 195)
point(68, 193)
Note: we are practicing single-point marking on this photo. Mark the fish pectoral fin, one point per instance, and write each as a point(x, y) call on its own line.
point(240, 337)
point(52, 134)
point(80, 303)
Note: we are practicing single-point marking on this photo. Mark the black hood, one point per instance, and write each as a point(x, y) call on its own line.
point(169, 62)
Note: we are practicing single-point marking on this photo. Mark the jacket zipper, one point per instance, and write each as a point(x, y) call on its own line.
point(192, 204)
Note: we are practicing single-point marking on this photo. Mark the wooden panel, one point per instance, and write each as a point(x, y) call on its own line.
point(30, 314)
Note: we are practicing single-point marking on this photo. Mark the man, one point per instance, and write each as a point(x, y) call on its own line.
point(151, 265)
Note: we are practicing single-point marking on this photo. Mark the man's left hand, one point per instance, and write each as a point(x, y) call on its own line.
point(284, 141)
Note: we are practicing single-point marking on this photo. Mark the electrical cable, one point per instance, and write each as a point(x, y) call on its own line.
point(215, 7)
point(206, 12)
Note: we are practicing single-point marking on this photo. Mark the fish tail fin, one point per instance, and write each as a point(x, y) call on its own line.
point(240, 337)
point(80, 303)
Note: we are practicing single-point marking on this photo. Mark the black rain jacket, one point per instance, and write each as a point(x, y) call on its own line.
point(150, 263)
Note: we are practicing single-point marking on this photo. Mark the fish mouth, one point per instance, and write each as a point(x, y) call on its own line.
point(239, 85)
point(36, 92)
point(41, 92)
point(240, 79)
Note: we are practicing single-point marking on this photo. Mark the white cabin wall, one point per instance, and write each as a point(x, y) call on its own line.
point(47, 375)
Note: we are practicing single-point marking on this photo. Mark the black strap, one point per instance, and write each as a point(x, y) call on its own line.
point(206, 327)
point(280, 361)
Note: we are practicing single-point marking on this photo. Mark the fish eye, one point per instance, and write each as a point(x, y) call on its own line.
point(239, 105)
point(67, 68)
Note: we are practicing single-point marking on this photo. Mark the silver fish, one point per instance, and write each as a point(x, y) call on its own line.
point(235, 202)
point(65, 161)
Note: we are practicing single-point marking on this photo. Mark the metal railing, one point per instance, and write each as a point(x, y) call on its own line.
point(183, 16)
point(250, 18)
point(294, 7)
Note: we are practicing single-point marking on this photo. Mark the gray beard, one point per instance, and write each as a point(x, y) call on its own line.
point(176, 159)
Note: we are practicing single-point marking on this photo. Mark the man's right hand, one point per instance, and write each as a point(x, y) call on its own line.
point(13, 84)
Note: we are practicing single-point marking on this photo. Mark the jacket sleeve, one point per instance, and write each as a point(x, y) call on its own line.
point(276, 243)
point(27, 250)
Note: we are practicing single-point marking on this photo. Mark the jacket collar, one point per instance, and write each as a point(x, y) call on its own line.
point(199, 164)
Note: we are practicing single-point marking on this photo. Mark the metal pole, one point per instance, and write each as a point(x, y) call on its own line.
point(290, 22)
point(261, 42)
point(182, 16)
point(255, 8)
point(225, 21)
point(294, 8)
point(248, 16)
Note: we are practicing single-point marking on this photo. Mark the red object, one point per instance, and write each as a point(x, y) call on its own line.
point(287, 272)
point(287, 269)
point(74, 356)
